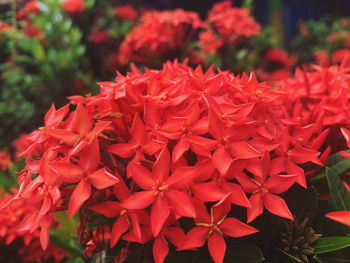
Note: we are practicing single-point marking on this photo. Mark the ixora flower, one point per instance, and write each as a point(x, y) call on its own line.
point(169, 34)
point(73, 7)
point(154, 150)
point(228, 26)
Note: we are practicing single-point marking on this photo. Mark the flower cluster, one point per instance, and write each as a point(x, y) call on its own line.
point(227, 26)
point(156, 147)
point(168, 36)
point(11, 231)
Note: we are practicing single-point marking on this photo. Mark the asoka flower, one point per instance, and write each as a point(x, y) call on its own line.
point(214, 227)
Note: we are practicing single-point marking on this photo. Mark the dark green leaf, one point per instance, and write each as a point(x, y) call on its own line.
point(243, 252)
point(328, 244)
point(340, 196)
point(288, 256)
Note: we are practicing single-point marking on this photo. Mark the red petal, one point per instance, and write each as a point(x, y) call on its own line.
point(201, 144)
point(346, 134)
point(90, 156)
point(222, 160)
point(138, 129)
point(182, 177)
point(235, 228)
point(179, 149)
point(102, 179)
point(277, 206)
point(67, 137)
point(196, 237)
point(45, 232)
point(207, 192)
point(82, 122)
point(243, 150)
point(159, 214)
point(107, 208)
point(221, 209)
point(238, 196)
point(180, 203)
point(344, 154)
point(215, 125)
point(160, 250)
point(45, 207)
point(340, 216)
point(120, 227)
point(161, 167)
point(278, 184)
point(303, 155)
point(257, 207)
point(124, 150)
point(139, 200)
point(80, 194)
point(175, 235)
point(217, 247)
point(201, 126)
point(141, 175)
point(98, 129)
point(69, 172)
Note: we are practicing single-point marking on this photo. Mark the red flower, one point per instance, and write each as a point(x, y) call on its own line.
point(232, 25)
point(126, 12)
point(85, 174)
point(73, 7)
point(214, 227)
point(161, 190)
point(5, 160)
point(31, 7)
point(99, 37)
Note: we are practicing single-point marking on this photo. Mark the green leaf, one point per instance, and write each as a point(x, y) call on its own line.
point(69, 224)
point(340, 196)
point(336, 158)
point(305, 205)
point(289, 256)
point(339, 256)
point(328, 244)
point(239, 251)
point(75, 260)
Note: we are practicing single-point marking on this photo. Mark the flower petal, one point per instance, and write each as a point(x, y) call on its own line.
point(196, 237)
point(179, 149)
point(180, 203)
point(277, 206)
point(107, 208)
point(340, 216)
point(257, 207)
point(217, 247)
point(159, 214)
point(80, 194)
point(141, 175)
point(160, 250)
point(235, 228)
point(139, 200)
point(102, 179)
point(161, 167)
point(120, 227)
point(222, 160)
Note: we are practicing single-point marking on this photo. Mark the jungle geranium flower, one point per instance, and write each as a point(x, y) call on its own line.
point(161, 190)
point(85, 174)
point(73, 7)
point(214, 227)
